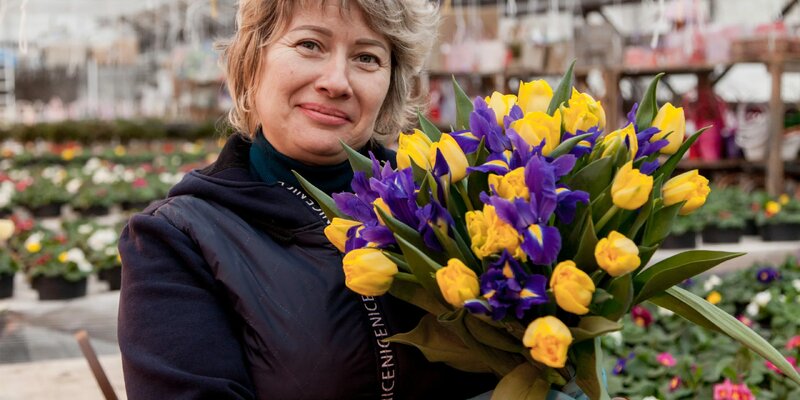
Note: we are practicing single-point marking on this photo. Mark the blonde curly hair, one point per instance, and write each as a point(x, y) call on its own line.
point(409, 26)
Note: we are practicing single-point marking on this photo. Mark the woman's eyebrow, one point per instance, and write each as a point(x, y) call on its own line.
point(329, 33)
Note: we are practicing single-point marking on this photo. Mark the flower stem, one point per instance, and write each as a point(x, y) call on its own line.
point(461, 187)
point(603, 221)
point(404, 276)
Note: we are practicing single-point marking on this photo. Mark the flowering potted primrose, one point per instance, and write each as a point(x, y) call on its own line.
point(526, 234)
point(8, 263)
point(779, 219)
point(56, 268)
point(723, 215)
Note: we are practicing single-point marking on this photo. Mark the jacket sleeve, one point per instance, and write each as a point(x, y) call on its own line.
point(177, 336)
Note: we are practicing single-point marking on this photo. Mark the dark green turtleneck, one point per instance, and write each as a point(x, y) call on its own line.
point(270, 166)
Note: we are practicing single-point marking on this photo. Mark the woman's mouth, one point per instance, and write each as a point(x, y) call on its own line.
point(324, 115)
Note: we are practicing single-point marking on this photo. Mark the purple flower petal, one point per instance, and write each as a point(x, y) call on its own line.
point(468, 142)
point(567, 204)
point(541, 243)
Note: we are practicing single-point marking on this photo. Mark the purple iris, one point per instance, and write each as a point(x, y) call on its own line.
point(622, 363)
point(767, 274)
point(632, 114)
point(507, 287)
point(466, 140)
point(646, 147)
point(483, 123)
point(568, 203)
point(431, 216)
point(586, 145)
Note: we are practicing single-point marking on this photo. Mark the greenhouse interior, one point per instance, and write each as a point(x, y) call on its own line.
point(107, 105)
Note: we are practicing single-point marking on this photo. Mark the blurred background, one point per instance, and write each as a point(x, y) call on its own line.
point(104, 104)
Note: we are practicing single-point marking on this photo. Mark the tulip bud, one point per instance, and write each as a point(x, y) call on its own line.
point(534, 96)
point(592, 105)
point(336, 232)
point(501, 104)
point(6, 229)
point(616, 254)
point(368, 272)
point(689, 186)
point(670, 120)
point(572, 287)
point(631, 188)
point(511, 185)
point(453, 154)
point(457, 282)
point(549, 340)
point(414, 147)
point(614, 141)
point(538, 126)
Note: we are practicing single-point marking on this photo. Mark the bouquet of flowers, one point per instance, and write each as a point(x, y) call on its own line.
point(526, 234)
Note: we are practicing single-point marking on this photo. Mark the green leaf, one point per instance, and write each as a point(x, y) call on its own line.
point(593, 178)
point(666, 169)
point(492, 336)
point(567, 145)
point(676, 269)
point(463, 106)
point(589, 365)
point(660, 223)
point(593, 326)
point(584, 256)
point(501, 362)
point(423, 267)
point(525, 382)
point(325, 202)
point(644, 212)
point(417, 295)
point(449, 244)
point(439, 344)
point(621, 288)
point(471, 261)
point(645, 254)
point(429, 128)
point(358, 161)
point(563, 91)
point(648, 107)
point(704, 314)
point(401, 230)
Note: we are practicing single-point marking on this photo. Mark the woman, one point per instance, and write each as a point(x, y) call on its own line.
point(230, 288)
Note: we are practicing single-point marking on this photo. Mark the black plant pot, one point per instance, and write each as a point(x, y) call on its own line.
point(686, 240)
point(58, 288)
point(780, 232)
point(47, 210)
point(6, 286)
point(93, 211)
point(713, 234)
point(750, 227)
point(111, 275)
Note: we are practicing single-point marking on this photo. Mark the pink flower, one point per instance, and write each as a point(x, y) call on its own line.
point(674, 383)
point(139, 183)
point(729, 391)
point(793, 342)
point(666, 359)
point(641, 316)
point(772, 366)
point(746, 321)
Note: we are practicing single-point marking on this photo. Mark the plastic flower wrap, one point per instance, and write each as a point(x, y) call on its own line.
point(527, 233)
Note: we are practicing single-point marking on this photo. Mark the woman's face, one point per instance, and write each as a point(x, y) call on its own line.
point(323, 80)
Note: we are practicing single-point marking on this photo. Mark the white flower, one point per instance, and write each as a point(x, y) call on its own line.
point(782, 298)
point(796, 284)
point(128, 175)
point(102, 176)
point(712, 282)
point(6, 193)
point(112, 251)
point(649, 398)
point(6, 229)
point(616, 336)
point(91, 165)
point(34, 238)
point(85, 229)
point(665, 312)
point(752, 309)
point(762, 298)
point(76, 255)
point(101, 239)
point(19, 174)
point(73, 185)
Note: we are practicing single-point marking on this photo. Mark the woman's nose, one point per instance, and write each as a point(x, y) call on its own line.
point(334, 80)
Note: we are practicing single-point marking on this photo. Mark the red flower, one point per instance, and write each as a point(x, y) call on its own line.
point(139, 183)
point(793, 342)
point(746, 321)
point(641, 316)
point(674, 383)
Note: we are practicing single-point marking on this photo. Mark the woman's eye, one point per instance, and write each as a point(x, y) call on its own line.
point(368, 59)
point(309, 45)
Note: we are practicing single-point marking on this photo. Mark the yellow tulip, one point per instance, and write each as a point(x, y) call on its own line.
point(490, 235)
point(368, 272)
point(453, 154)
point(582, 112)
point(537, 126)
point(510, 185)
point(615, 141)
point(631, 188)
point(616, 254)
point(689, 186)
point(336, 232)
point(6, 229)
point(414, 147)
point(534, 96)
point(714, 297)
point(501, 104)
point(457, 282)
point(670, 119)
point(549, 340)
point(572, 287)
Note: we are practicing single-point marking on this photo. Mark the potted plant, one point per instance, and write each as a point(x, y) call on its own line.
point(45, 194)
point(100, 245)
point(683, 234)
point(779, 219)
point(56, 268)
point(723, 216)
point(8, 263)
